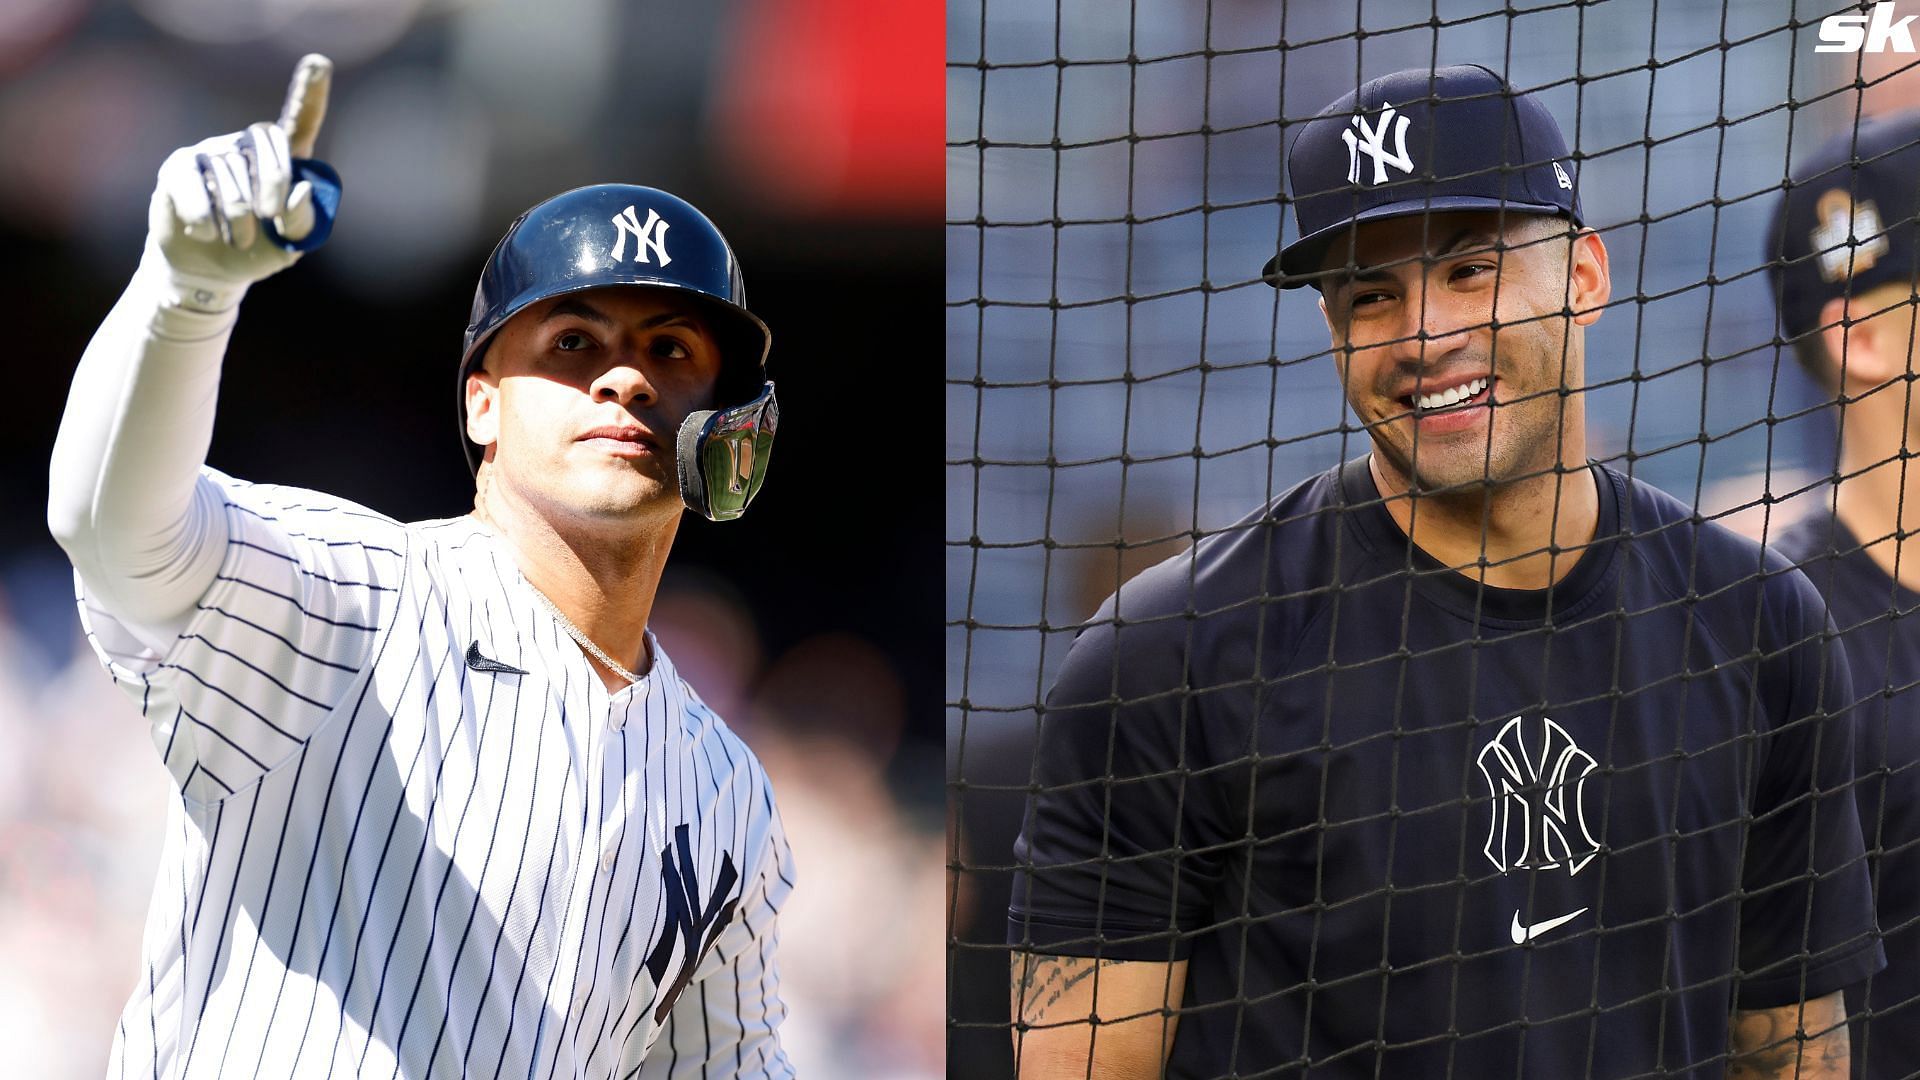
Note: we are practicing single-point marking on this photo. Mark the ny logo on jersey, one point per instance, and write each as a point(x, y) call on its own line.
point(1538, 783)
point(1373, 143)
point(651, 236)
point(695, 927)
point(1849, 237)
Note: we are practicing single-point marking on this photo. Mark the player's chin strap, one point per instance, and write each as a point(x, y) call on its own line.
point(722, 456)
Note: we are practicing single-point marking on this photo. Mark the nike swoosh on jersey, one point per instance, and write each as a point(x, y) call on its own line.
point(481, 663)
point(1522, 933)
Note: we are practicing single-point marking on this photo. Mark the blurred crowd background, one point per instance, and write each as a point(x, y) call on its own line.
point(1120, 378)
point(805, 128)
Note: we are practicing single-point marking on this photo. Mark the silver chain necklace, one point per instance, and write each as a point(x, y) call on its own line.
point(585, 643)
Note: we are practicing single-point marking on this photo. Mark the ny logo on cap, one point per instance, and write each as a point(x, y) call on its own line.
point(1849, 237)
point(649, 237)
point(1373, 143)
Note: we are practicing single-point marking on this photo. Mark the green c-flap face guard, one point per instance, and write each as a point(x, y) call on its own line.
point(721, 456)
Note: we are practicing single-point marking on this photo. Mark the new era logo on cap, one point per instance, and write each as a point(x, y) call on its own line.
point(1420, 141)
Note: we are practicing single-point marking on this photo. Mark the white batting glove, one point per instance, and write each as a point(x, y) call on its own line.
point(204, 225)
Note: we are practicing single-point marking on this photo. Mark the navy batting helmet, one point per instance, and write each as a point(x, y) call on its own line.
point(625, 234)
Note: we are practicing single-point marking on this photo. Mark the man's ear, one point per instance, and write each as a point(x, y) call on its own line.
point(483, 407)
point(1589, 278)
point(1866, 351)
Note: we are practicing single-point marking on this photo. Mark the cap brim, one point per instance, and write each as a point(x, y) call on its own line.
point(1299, 263)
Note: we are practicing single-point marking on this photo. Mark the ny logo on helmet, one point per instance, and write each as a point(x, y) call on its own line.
point(1373, 143)
point(1537, 779)
point(649, 237)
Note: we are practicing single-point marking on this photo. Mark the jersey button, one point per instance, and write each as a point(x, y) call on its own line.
point(607, 858)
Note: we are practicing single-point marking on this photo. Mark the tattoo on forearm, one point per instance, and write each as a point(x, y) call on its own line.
point(1041, 981)
point(1775, 1050)
point(1768, 1043)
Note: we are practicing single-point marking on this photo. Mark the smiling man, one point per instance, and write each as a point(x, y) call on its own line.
point(444, 806)
point(1468, 757)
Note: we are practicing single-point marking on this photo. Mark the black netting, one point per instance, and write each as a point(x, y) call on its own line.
point(1587, 776)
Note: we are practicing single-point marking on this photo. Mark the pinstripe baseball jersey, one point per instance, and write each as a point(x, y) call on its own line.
point(416, 836)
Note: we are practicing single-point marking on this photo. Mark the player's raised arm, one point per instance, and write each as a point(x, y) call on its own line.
point(1076, 1017)
point(124, 503)
point(1806, 1041)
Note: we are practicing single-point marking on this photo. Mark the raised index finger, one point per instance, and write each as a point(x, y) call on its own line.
point(306, 103)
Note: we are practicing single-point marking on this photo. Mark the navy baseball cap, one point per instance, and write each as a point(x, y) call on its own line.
point(1415, 142)
point(1847, 221)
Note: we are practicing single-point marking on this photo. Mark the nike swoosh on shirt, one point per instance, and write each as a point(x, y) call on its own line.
point(1522, 933)
point(477, 662)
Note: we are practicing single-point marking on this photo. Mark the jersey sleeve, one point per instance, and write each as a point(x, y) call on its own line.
point(1806, 918)
point(305, 585)
point(1111, 859)
point(727, 1022)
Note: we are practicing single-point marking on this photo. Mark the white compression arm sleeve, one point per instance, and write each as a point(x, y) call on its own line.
point(127, 501)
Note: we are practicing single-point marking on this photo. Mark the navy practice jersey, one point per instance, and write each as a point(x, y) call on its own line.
point(1875, 618)
point(1404, 825)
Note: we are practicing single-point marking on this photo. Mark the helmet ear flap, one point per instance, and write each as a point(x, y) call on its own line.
point(743, 344)
point(721, 456)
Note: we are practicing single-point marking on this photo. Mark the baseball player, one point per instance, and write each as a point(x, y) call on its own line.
point(445, 807)
point(1843, 255)
point(1464, 758)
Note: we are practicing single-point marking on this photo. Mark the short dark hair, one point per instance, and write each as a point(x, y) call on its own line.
point(1811, 350)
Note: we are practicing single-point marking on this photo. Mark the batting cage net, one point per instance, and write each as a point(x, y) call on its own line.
point(1508, 670)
